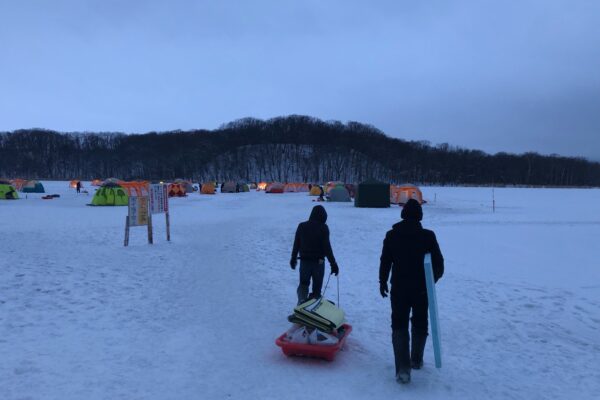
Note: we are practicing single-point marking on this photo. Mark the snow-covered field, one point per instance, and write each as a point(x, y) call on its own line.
point(82, 317)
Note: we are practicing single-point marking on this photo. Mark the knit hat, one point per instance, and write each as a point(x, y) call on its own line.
point(412, 210)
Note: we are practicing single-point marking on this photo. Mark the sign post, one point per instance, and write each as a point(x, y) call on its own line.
point(141, 209)
point(126, 230)
point(138, 215)
point(159, 203)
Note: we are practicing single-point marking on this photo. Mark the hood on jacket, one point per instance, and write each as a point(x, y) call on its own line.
point(412, 211)
point(318, 214)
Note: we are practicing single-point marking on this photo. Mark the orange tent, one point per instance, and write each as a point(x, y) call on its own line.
point(73, 183)
point(18, 183)
point(261, 186)
point(176, 190)
point(208, 188)
point(136, 188)
point(275, 187)
point(96, 182)
point(402, 193)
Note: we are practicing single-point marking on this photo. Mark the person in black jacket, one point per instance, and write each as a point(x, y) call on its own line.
point(403, 254)
point(312, 242)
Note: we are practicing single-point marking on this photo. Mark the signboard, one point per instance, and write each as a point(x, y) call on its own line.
point(141, 209)
point(138, 211)
point(159, 199)
point(433, 312)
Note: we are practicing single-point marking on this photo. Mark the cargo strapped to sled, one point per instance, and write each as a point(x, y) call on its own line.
point(320, 313)
point(294, 319)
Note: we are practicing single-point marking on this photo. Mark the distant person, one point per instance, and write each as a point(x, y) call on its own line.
point(312, 243)
point(403, 253)
point(78, 186)
point(321, 194)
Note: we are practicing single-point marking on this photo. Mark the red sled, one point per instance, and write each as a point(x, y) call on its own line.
point(312, 350)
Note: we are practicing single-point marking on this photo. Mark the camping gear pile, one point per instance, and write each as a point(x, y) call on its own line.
point(318, 329)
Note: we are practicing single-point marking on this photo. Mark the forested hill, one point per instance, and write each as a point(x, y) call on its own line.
point(287, 149)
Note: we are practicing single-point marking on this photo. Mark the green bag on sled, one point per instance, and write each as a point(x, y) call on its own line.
point(320, 313)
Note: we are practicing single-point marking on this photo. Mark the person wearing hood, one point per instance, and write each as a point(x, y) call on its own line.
point(312, 244)
point(403, 254)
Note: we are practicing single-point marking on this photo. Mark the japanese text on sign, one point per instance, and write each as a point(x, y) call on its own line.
point(138, 211)
point(159, 199)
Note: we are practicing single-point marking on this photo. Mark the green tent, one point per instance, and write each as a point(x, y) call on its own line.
point(110, 195)
point(33, 187)
point(372, 194)
point(339, 194)
point(8, 192)
point(244, 187)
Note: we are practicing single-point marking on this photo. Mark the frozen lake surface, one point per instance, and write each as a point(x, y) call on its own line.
point(82, 317)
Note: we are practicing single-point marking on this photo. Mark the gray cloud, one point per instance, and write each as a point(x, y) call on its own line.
point(500, 76)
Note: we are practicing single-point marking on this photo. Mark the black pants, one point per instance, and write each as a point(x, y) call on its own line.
point(314, 270)
point(403, 302)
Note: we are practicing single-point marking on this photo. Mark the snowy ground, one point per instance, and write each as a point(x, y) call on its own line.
point(82, 317)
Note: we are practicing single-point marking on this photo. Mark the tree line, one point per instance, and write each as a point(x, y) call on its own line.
point(287, 149)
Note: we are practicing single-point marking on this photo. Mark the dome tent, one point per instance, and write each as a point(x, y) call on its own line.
point(207, 188)
point(372, 194)
point(176, 190)
point(187, 185)
point(33, 187)
point(7, 191)
point(402, 193)
point(110, 194)
point(339, 194)
point(315, 191)
point(275, 187)
point(228, 187)
point(17, 183)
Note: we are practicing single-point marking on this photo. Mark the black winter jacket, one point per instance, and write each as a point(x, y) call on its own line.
point(312, 238)
point(404, 250)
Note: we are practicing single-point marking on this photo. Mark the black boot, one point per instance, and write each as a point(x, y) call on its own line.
point(401, 355)
point(418, 341)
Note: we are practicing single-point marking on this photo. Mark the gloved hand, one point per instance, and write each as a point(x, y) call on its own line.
point(293, 263)
point(335, 270)
point(383, 289)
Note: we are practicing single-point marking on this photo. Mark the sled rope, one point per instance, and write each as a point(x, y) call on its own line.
point(327, 285)
point(338, 291)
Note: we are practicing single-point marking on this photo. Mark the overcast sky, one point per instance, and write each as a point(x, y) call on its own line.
point(510, 76)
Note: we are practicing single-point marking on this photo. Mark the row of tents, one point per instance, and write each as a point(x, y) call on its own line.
point(9, 188)
point(370, 193)
point(113, 191)
point(366, 194)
